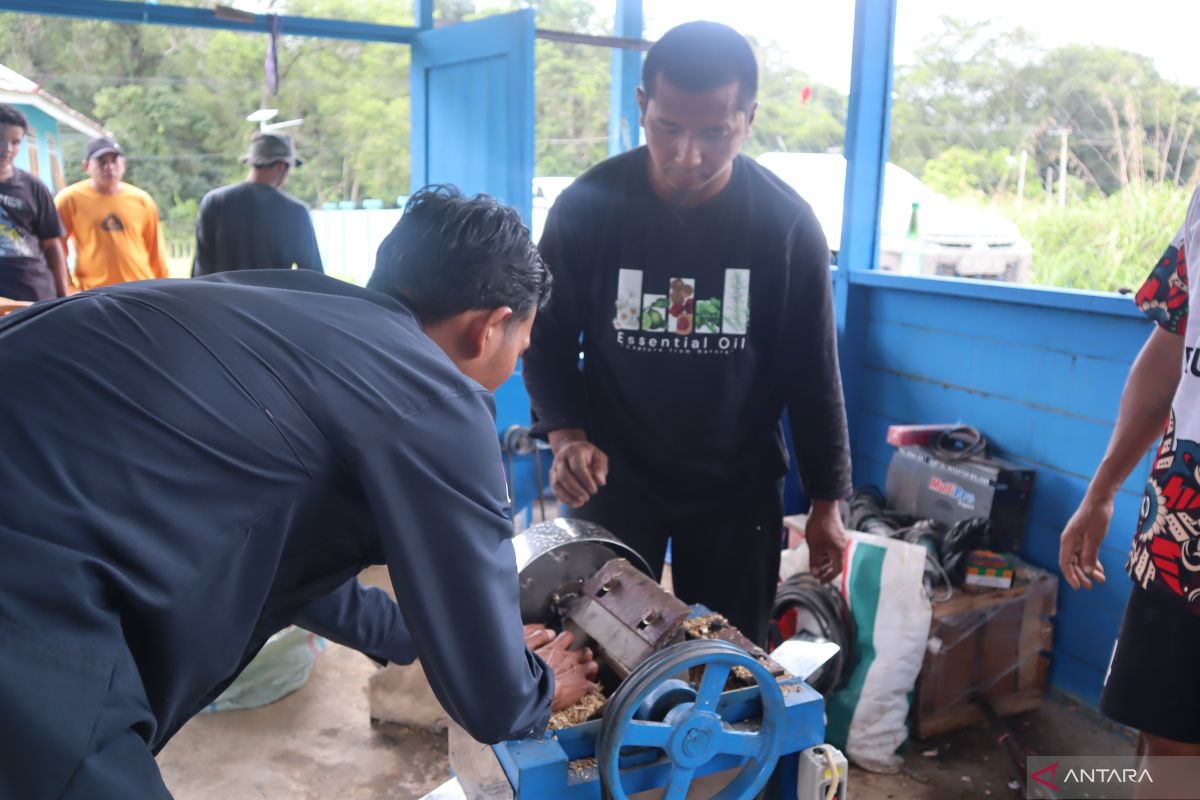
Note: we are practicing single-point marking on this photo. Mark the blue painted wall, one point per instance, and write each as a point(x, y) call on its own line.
point(1040, 373)
point(43, 133)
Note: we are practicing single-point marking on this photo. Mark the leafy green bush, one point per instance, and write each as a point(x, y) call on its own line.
point(959, 171)
point(1100, 243)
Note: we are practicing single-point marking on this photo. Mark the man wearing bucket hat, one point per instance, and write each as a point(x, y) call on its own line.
point(254, 224)
point(112, 225)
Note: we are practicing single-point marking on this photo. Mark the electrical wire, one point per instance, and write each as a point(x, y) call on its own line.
point(825, 603)
point(928, 534)
point(946, 548)
point(961, 539)
point(829, 752)
point(868, 512)
point(958, 444)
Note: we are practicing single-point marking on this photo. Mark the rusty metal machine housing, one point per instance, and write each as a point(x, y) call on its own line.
point(624, 615)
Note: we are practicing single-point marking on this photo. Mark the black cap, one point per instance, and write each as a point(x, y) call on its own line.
point(100, 146)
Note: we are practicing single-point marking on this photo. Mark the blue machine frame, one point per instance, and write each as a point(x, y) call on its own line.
point(540, 768)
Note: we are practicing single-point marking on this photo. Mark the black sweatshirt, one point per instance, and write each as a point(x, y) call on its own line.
point(253, 226)
point(189, 466)
point(699, 326)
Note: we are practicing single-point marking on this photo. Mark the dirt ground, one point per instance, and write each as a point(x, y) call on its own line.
point(319, 744)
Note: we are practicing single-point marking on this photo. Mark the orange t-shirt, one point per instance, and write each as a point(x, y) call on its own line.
point(116, 236)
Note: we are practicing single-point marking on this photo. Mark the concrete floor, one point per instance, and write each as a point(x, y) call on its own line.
point(318, 743)
point(970, 764)
point(314, 744)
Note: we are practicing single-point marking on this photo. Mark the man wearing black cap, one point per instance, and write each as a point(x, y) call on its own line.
point(112, 225)
point(254, 224)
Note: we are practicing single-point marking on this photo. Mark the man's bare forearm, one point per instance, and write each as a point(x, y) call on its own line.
point(1145, 404)
point(56, 260)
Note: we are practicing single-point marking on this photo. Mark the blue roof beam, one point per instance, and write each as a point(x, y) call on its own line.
point(217, 19)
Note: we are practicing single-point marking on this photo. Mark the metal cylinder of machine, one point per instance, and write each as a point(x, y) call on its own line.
point(554, 558)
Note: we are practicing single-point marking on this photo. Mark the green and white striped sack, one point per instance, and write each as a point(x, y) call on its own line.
point(882, 583)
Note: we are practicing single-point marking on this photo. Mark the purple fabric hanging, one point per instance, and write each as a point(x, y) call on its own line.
point(271, 63)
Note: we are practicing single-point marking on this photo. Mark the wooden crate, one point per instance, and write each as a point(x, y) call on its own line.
point(992, 641)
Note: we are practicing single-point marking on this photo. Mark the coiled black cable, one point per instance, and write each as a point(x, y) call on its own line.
point(965, 536)
point(928, 533)
point(867, 512)
point(826, 604)
point(958, 444)
point(946, 548)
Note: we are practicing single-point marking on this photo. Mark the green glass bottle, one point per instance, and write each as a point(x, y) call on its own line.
point(910, 258)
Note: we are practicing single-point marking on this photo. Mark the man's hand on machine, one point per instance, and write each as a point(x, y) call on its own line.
point(826, 540)
point(574, 670)
point(579, 469)
point(538, 636)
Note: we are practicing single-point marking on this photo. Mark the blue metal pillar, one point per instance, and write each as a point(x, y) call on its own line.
point(623, 115)
point(867, 133)
point(423, 14)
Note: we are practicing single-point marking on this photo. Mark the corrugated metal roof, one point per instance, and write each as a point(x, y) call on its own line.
point(16, 88)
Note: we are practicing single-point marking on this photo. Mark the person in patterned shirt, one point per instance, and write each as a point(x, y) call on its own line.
point(1160, 632)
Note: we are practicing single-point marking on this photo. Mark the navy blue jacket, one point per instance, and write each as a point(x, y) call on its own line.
point(188, 466)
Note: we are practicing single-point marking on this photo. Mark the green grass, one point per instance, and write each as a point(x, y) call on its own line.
point(1100, 243)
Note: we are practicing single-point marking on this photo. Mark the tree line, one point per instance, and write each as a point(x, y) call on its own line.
point(974, 98)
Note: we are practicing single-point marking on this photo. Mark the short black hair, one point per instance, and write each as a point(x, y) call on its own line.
point(701, 56)
point(449, 254)
point(11, 116)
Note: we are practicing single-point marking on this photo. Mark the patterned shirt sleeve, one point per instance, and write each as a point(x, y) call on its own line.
point(1164, 296)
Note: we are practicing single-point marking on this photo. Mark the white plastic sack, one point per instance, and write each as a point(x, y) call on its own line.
point(280, 668)
point(450, 790)
point(881, 581)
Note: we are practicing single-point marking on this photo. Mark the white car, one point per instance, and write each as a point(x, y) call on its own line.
point(953, 239)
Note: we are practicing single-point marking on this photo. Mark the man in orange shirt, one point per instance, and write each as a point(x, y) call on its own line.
point(112, 225)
